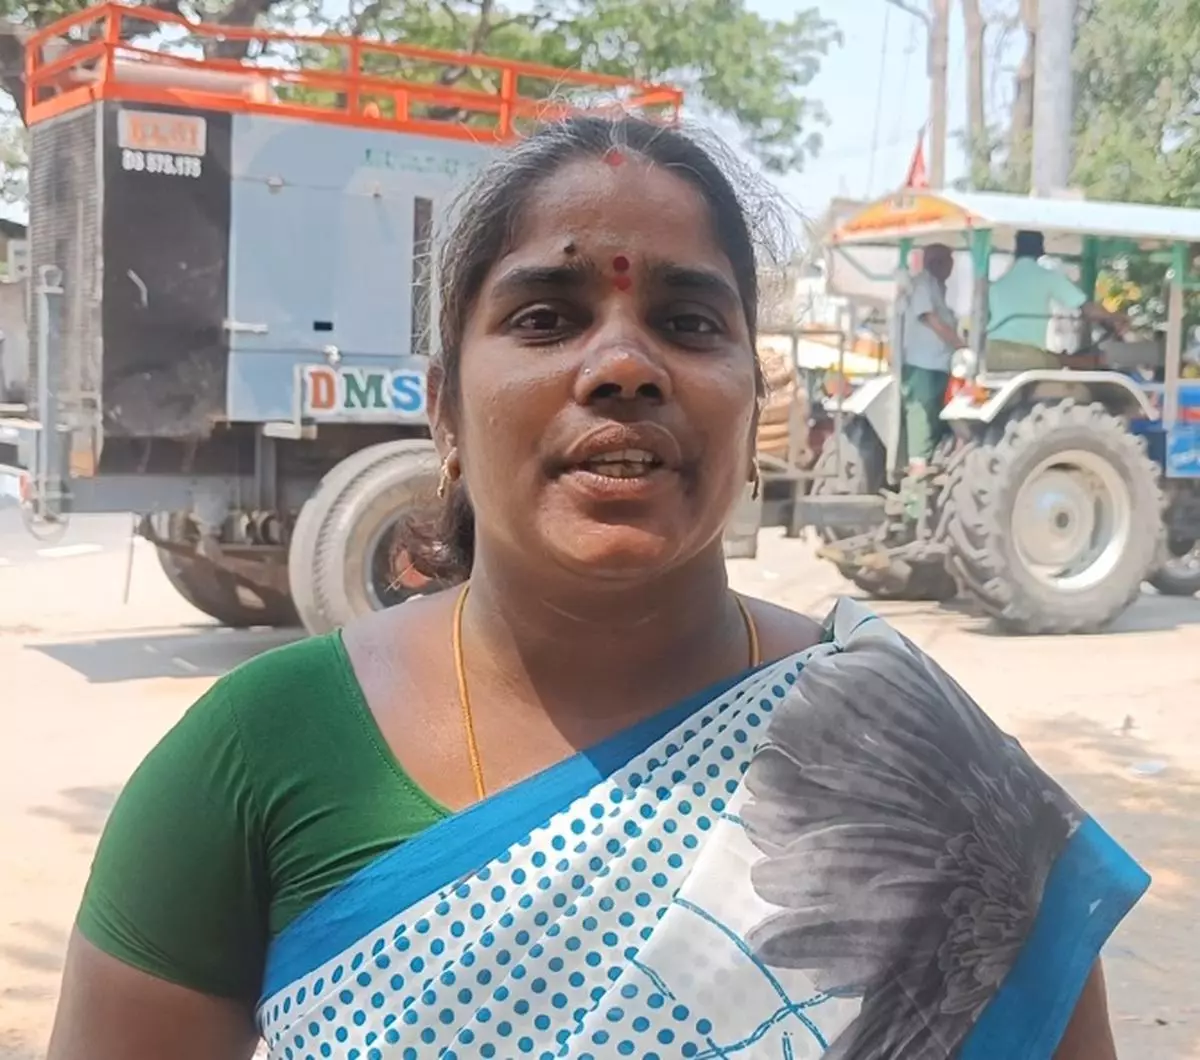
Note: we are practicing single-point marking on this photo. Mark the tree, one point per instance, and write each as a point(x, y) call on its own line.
point(978, 138)
point(1138, 101)
point(737, 63)
point(19, 18)
point(14, 158)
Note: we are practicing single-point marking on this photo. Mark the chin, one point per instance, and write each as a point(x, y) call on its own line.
point(618, 552)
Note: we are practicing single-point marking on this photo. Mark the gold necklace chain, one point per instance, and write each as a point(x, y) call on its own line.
point(464, 698)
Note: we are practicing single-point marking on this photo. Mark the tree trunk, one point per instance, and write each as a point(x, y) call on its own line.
point(1020, 133)
point(939, 55)
point(978, 141)
point(243, 14)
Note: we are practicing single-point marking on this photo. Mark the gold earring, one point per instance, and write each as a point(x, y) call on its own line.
point(449, 474)
point(755, 480)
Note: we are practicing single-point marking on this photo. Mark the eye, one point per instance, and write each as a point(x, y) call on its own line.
point(544, 323)
point(692, 324)
point(691, 328)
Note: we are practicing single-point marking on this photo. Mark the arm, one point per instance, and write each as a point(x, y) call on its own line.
point(942, 330)
point(110, 1011)
point(1065, 292)
point(1097, 314)
point(1089, 1035)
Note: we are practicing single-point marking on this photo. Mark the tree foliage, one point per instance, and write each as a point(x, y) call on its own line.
point(1138, 101)
point(735, 63)
point(1137, 107)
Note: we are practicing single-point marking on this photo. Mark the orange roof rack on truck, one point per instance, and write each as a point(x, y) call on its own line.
point(109, 52)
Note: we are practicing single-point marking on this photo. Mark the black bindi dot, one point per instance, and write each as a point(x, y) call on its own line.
point(570, 248)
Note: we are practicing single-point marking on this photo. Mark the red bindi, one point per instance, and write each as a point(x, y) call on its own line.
point(621, 263)
point(613, 157)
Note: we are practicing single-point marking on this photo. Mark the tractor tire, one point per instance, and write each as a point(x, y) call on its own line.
point(862, 462)
point(1027, 499)
point(1180, 574)
point(338, 560)
point(233, 601)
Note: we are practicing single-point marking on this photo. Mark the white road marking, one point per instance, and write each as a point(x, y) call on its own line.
point(64, 551)
point(183, 664)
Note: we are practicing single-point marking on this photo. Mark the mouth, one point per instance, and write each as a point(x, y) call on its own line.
point(621, 463)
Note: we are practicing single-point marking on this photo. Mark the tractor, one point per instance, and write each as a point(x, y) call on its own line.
point(1055, 493)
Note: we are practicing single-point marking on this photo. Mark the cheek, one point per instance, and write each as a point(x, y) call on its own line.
point(726, 411)
point(507, 404)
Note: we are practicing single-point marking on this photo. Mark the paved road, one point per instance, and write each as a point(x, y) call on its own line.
point(88, 683)
point(85, 534)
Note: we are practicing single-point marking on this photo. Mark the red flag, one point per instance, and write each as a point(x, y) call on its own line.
point(918, 176)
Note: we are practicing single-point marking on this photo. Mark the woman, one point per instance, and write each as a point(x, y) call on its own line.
point(598, 805)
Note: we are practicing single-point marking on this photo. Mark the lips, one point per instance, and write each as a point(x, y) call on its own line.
point(630, 445)
point(622, 461)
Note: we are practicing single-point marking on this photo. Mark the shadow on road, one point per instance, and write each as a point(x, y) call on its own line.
point(82, 810)
point(1151, 613)
point(1151, 808)
point(204, 651)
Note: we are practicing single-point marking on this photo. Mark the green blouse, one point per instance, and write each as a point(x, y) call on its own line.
point(273, 789)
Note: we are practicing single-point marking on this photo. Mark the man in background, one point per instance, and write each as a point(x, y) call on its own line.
point(930, 339)
point(1021, 304)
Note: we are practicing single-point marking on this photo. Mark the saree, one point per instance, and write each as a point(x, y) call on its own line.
point(834, 855)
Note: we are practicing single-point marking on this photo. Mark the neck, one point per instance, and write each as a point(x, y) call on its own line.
point(593, 639)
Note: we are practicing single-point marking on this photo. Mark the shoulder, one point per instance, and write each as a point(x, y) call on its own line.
point(290, 668)
point(923, 290)
point(287, 684)
point(782, 631)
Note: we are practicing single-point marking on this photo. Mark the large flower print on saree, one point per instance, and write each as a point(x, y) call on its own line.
point(836, 855)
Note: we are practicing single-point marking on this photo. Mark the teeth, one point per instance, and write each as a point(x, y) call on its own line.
point(611, 470)
point(623, 463)
point(625, 456)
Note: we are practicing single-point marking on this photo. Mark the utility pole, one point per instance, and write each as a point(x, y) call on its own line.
point(1053, 97)
point(936, 17)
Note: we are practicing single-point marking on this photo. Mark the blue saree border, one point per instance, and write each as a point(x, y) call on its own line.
point(456, 846)
point(1091, 887)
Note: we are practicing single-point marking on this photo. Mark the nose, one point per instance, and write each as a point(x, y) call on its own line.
point(621, 368)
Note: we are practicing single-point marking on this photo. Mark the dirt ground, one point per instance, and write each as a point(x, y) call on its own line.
point(88, 683)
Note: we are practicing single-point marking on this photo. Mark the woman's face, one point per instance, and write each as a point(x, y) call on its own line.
point(607, 378)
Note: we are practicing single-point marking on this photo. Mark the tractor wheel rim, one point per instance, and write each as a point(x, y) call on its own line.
point(1072, 520)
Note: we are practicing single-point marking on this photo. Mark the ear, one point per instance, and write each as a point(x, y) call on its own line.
point(441, 423)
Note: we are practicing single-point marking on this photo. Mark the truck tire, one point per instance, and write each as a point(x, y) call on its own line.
point(1180, 575)
point(303, 540)
point(231, 600)
point(1062, 522)
point(862, 465)
point(337, 559)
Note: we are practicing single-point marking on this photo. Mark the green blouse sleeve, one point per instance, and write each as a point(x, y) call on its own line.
point(178, 885)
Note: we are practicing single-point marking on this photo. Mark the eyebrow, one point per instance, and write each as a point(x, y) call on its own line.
point(572, 275)
point(690, 278)
point(576, 274)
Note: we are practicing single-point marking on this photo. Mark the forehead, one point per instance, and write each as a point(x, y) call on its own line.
point(635, 207)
